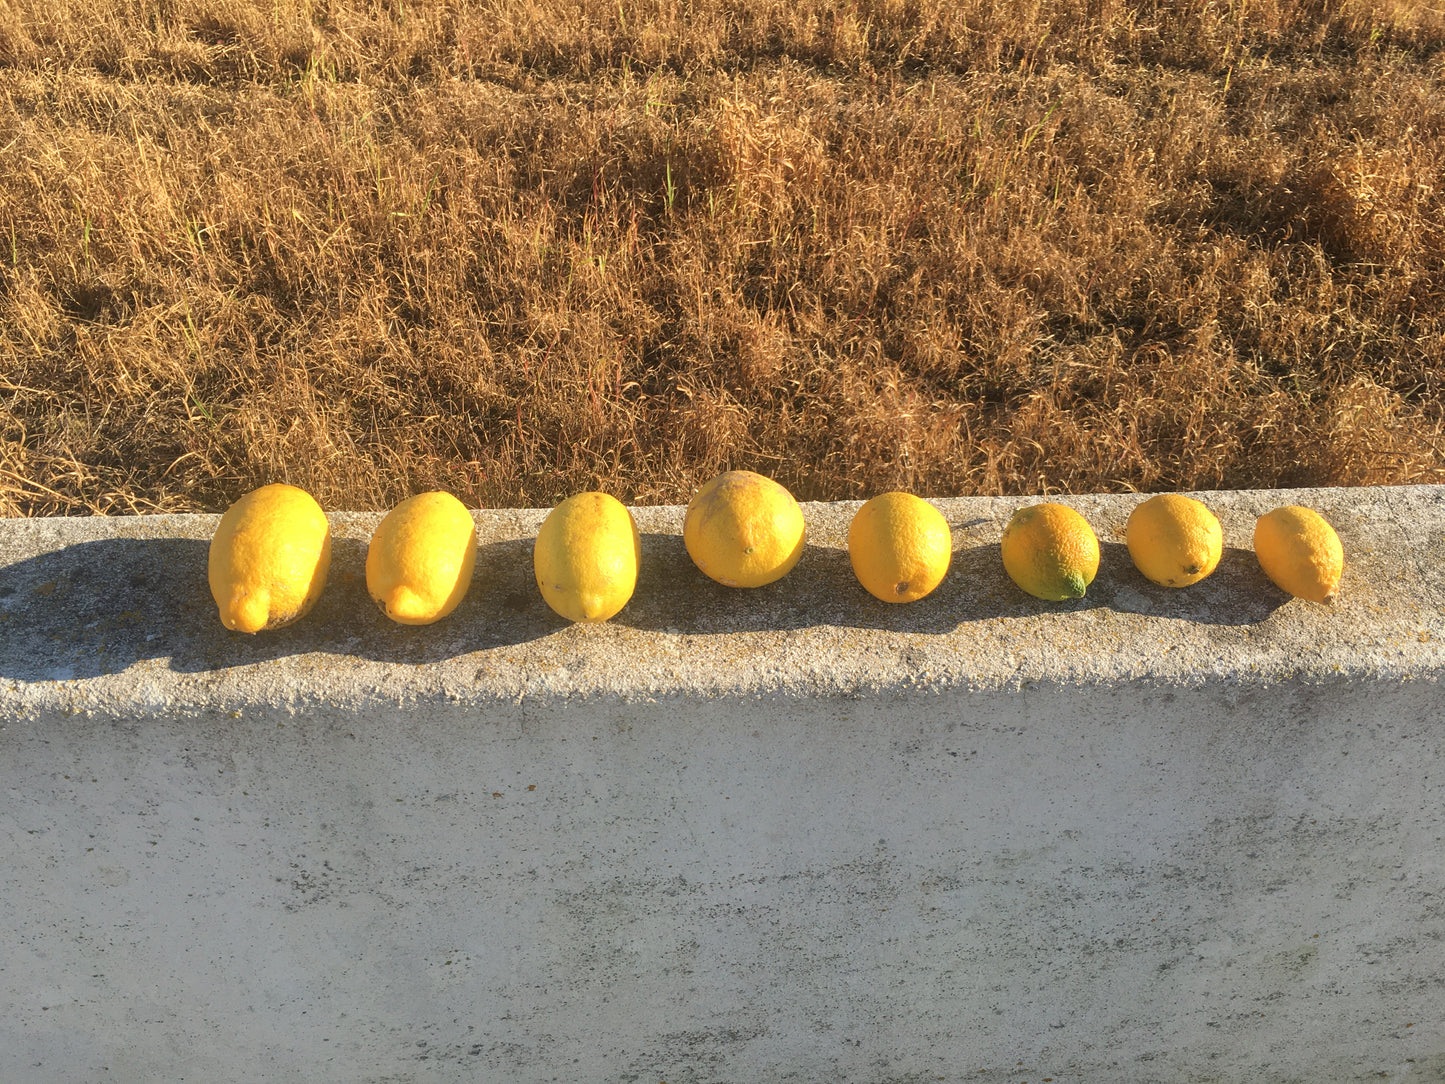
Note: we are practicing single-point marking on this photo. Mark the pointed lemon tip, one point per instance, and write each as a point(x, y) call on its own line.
point(248, 611)
point(408, 607)
point(1075, 585)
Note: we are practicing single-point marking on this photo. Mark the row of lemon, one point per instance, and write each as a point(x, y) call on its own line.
point(272, 550)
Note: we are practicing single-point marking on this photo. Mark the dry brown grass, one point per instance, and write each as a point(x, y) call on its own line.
point(519, 248)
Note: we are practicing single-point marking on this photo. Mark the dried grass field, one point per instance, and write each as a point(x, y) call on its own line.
point(519, 248)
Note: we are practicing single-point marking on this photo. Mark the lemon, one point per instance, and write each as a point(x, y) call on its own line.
point(420, 561)
point(1050, 551)
point(1300, 552)
point(269, 558)
point(743, 530)
point(900, 546)
point(586, 557)
point(1174, 540)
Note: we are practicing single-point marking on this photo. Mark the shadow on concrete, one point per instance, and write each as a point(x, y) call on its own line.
point(100, 607)
point(1236, 593)
point(674, 596)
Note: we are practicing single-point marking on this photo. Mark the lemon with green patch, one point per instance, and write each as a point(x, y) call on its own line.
point(1050, 551)
point(269, 558)
point(421, 558)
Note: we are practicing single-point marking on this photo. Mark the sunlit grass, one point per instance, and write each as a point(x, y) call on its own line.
point(524, 249)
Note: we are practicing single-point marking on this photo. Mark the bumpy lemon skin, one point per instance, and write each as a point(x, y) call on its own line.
point(1174, 540)
point(1050, 551)
point(269, 558)
point(1300, 552)
point(900, 547)
point(744, 530)
point(420, 561)
point(586, 557)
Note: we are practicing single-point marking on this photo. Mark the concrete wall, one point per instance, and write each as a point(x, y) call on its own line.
point(791, 834)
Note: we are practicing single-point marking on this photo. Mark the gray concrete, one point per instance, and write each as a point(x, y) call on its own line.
point(791, 834)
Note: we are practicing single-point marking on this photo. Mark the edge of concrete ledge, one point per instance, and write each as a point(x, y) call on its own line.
point(113, 616)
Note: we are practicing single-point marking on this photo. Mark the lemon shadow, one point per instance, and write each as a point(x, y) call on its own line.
point(101, 607)
point(674, 596)
point(1236, 593)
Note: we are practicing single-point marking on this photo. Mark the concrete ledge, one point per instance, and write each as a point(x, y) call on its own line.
point(785, 834)
point(114, 615)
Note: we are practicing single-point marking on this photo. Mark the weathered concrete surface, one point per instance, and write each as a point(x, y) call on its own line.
point(787, 834)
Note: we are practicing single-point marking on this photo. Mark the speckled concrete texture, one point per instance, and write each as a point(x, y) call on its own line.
point(790, 834)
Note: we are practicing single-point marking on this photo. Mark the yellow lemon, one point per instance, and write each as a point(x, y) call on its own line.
point(900, 546)
point(421, 557)
point(1050, 551)
point(269, 558)
point(1174, 540)
point(1300, 552)
point(743, 530)
point(586, 557)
